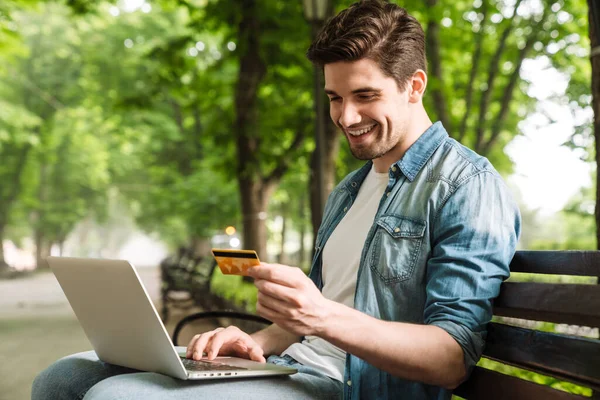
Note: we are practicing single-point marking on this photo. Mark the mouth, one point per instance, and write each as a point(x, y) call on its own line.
point(360, 132)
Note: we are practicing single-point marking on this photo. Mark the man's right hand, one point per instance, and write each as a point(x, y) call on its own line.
point(230, 341)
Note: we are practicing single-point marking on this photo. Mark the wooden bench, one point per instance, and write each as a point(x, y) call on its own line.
point(185, 279)
point(565, 357)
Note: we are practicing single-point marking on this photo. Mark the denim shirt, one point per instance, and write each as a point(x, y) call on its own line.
point(438, 250)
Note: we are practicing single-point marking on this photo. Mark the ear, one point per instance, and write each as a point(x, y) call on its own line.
point(416, 86)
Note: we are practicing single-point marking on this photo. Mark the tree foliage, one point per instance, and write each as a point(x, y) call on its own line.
point(155, 104)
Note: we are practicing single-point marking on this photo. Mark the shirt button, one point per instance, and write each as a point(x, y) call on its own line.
point(353, 184)
point(394, 168)
point(397, 230)
point(388, 194)
point(349, 383)
point(345, 209)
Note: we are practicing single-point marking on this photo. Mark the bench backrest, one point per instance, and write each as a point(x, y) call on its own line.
point(568, 358)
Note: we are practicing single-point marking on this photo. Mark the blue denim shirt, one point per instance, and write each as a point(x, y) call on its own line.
point(437, 252)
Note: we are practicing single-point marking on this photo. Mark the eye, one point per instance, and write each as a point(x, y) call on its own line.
point(334, 98)
point(366, 97)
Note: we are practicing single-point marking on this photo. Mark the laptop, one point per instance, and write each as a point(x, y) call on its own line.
point(124, 328)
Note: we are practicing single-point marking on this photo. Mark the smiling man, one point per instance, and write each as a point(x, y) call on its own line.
point(412, 249)
point(380, 119)
point(413, 246)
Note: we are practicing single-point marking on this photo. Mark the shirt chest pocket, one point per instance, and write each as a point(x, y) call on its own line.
point(395, 247)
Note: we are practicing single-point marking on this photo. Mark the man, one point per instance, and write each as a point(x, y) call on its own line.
point(412, 249)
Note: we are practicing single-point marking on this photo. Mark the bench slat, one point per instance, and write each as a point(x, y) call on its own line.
point(565, 357)
point(560, 303)
point(491, 385)
point(584, 263)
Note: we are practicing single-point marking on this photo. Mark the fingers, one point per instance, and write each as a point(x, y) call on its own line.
point(190, 346)
point(198, 343)
point(266, 312)
point(281, 274)
point(256, 353)
point(212, 350)
point(284, 306)
point(230, 339)
point(273, 290)
point(239, 341)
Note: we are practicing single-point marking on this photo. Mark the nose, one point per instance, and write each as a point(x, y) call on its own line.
point(349, 115)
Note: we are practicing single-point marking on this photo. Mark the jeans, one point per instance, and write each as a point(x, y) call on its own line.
point(84, 376)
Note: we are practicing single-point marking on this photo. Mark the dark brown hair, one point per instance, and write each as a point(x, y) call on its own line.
point(374, 29)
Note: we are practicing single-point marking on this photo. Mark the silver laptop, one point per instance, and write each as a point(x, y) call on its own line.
point(121, 323)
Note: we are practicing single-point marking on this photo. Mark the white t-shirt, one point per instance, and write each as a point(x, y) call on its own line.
point(341, 258)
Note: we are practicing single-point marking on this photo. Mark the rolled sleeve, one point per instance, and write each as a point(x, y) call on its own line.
point(472, 343)
point(474, 237)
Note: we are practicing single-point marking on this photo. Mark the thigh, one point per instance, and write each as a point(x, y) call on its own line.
point(151, 386)
point(72, 376)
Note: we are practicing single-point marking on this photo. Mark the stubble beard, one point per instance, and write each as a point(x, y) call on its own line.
point(379, 147)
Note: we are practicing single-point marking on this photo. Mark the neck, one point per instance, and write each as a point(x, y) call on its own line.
point(417, 125)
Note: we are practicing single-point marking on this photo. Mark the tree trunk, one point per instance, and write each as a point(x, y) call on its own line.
point(3, 264)
point(42, 250)
point(282, 258)
point(200, 246)
point(332, 148)
point(330, 152)
point(252, 71)
point(255, 185)
point(8, 197)
point(594, 30)
point(254, 205)
point(41, 244)
point(475, 60)
point(440, 101)
point(594, 21)
point(301, 256)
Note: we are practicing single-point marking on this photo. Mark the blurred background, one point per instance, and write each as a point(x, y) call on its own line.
point(153, 130)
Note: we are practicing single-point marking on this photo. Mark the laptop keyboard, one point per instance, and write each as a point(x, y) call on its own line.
point(193, 365)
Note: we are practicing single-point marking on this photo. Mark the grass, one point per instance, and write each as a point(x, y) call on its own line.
point(536, 378)
point(232, 287)
point(543, 278)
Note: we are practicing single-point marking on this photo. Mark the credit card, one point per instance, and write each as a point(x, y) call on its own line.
point(235, 262)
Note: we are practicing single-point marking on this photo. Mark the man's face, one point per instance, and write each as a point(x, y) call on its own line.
point(367, 106)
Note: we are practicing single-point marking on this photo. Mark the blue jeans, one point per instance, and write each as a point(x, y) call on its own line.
point(83, 375)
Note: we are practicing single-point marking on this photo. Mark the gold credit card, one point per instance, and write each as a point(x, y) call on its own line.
point(235, 262)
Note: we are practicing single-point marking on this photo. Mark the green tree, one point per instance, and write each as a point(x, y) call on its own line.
point(18, 135)
point(270, 114)
point(168, 87)
point(265, 146)
point(594, 32)
point(476, 51)
point(71, 172)
point(64, 176)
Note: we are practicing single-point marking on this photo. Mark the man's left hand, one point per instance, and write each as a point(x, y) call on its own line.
point(287, 297)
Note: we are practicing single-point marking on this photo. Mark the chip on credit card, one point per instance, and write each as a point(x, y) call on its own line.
point(235, 262)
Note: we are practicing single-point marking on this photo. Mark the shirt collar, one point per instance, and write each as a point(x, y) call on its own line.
point(421, 151)
point(413, 160)
point(358, 177)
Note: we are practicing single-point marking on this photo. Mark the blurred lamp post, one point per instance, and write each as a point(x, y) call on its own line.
point(315, 12)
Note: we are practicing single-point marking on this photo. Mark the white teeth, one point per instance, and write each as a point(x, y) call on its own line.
point(362, 131)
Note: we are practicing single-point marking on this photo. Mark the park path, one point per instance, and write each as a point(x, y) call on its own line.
point(37, 326)
point(40, 294)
